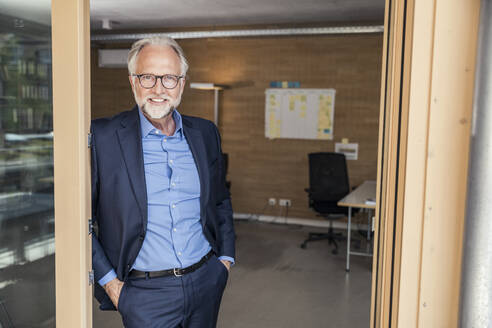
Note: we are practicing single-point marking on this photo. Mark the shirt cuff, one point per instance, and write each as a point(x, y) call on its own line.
point(107, 278)
point(227, 258)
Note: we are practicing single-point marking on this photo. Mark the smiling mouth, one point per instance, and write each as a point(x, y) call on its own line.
point(157, 100)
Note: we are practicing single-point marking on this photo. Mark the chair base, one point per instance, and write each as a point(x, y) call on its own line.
point(330, 236)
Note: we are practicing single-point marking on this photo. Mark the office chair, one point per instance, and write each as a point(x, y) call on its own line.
point(328, 183)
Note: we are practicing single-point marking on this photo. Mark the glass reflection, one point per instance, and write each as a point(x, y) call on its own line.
point(27, 291)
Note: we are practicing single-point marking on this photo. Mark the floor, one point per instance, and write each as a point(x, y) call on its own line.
point(27, 263)
point(275, 283)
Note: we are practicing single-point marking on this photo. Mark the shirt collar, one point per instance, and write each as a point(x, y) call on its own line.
point(147, 127)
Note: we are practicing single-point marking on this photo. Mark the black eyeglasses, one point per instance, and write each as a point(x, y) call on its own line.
point(148, 81)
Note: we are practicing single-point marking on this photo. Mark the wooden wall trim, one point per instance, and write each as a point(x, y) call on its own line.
point(71, 119)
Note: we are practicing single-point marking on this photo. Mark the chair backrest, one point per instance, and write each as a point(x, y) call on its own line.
point(328, 177)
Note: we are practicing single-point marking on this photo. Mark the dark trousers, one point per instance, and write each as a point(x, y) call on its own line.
point(188, 301)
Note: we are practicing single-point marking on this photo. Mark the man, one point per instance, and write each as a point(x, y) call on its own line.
point(165, 237)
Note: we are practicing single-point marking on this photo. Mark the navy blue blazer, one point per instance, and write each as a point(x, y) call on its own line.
point(119, 194)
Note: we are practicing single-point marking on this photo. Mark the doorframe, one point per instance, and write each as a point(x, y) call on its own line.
point(429, 55)
point(70, 23)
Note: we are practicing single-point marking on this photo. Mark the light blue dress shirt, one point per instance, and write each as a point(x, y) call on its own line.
point(174, 237)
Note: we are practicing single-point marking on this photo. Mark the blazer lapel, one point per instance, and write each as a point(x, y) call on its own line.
point(195, 140)
point(130, 139)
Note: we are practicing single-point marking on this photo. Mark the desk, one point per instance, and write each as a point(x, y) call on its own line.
point(357, 198)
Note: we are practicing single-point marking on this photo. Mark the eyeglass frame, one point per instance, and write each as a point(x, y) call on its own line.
point(178, 77)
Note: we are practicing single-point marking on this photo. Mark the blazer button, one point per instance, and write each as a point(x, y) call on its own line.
point(142, 237)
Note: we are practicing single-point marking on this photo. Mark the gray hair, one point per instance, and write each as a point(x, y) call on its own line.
point(160, 41)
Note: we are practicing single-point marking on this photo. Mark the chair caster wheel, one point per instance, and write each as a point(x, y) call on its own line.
point(303, 246)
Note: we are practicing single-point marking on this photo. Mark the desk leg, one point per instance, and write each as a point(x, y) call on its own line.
point(349, 229)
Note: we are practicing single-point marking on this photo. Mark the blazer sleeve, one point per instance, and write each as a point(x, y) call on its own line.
point(224, 208)
point(100, 262)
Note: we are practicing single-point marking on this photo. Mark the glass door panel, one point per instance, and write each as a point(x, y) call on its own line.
point(27, 263)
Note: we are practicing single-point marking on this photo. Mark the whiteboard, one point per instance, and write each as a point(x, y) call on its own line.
point(299, 113)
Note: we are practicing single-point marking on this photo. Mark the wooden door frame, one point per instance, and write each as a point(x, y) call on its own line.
point(71, 119)
point(429, 56)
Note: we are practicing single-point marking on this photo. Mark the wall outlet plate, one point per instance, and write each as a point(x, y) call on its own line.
point(284, 202)
point(272, 201)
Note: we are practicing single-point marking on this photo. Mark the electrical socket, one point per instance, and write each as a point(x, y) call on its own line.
point(272, 201)
point(284, 202)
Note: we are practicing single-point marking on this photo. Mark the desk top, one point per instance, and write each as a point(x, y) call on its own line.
point(358, 197)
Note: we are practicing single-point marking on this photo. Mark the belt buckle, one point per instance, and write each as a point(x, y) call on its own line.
point(176, 272)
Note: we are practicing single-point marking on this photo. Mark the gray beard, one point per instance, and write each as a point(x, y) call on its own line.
point(157, 114)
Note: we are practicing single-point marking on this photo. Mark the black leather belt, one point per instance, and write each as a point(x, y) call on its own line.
point(176, 271)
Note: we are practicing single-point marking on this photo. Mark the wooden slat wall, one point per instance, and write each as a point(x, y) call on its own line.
point(260, 168)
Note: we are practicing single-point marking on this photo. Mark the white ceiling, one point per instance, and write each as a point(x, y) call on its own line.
point(139, 14)
point(34, 10)
point(188, 13)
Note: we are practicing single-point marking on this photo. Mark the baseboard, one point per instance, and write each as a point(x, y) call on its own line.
point(296, 221)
